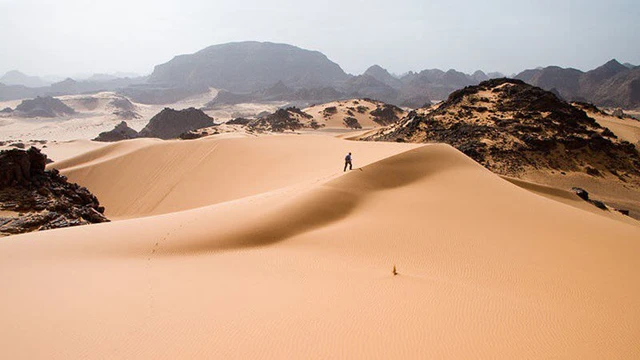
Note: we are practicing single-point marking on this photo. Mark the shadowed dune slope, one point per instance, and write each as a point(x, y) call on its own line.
point(486, 270)
point(158, 177)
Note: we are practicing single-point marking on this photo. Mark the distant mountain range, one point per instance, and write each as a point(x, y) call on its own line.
point(15, 77)
point(262, 71)
point(68, 86)
point(612, 84)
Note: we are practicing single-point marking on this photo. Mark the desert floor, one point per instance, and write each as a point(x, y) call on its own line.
point(237, 246)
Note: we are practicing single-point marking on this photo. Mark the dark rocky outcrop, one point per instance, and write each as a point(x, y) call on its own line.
point(170, 123)
point(6, 110)
point(582, 193)
point(239, 121)
point(43, 107)
point(386, 114)
point(192, 135)
point(352, 123)
point(330, 110)
point(510, 127)
point(290, 119)
point(41, 199)
point(122, 131)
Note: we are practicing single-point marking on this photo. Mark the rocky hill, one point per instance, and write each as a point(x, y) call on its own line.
point(290, 119)
point(33, 199)
point(68, 87)
point(511, 127)
point(124, 108)
point(250, 71)
point(43, 107)
point(355, 114)
point(345, 114)
point(122, 131)
point(170, 123)
point(612, 84)
point(15, 77)
point(245, 67)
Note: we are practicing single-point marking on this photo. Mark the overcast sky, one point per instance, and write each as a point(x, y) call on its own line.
point(68, 37)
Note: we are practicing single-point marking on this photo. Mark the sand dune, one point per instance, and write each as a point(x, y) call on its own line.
point(284, 270)
point(157, 177)
point(625, 129)
point(569, 197)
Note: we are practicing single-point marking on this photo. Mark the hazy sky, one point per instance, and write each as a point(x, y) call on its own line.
point(67, 37)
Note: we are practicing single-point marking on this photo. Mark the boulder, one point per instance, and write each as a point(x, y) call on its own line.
point(41, 199)
point(618, 113)
point(582, 193)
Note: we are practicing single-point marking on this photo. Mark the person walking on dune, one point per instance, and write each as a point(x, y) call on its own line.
point(347, 161)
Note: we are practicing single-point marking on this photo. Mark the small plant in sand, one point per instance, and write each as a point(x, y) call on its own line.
point(395, 272)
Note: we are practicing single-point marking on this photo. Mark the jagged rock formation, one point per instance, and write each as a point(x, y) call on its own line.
point(122, 131)
point(32, 198)
point(612, 84)
point(169, 123)
point(43, 107)
point(510, 126)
